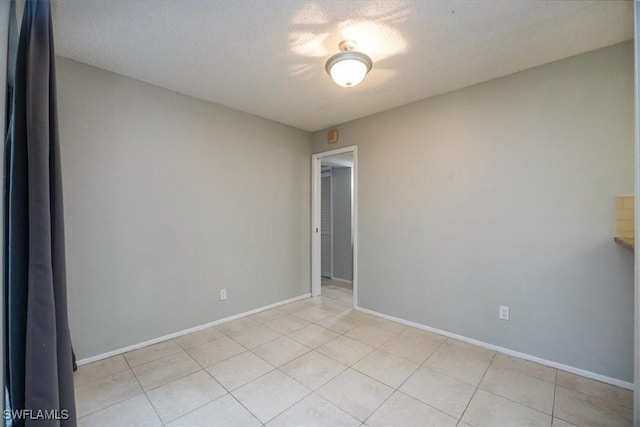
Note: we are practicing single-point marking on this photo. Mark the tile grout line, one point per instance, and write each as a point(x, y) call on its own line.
point(229, 392)
point(420, 367)
point(339, 335)
point(275, 368)
point(508, 398)
point(180, 348)
point(314, 392)
point(234, 397)
point(202, 368)
point(397, 390)
point(359, 323)
point(75, 384)
point(128, 398)
point(251, 350)
point(491, 363)
point(516, 402)
point(290, 406)
point(590, 396)
point(184, 376)
point(246, 349)
point(173, 353)
point(203, 405)
point(143, 391)
point(555, 388)
point(333, 404)
point(247, 409)
point(175, 379)
point(530, 377)
point(396, 334)
point(184, 350)
point(477, 388)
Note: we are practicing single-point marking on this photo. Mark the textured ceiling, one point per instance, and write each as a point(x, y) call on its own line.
point(267, 57)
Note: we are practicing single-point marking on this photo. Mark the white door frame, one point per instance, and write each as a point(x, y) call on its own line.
point(316, 159)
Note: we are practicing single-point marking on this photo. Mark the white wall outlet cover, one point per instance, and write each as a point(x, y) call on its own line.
point(504, 312)
point(223, 294)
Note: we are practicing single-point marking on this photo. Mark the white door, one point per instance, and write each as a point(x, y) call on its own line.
point(325, 225)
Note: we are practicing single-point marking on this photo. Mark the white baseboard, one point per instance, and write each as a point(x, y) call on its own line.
point(573, 370)
point(187, 331)
point(337, 279)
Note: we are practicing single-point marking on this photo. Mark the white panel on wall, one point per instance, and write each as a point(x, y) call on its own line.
point(326, 225)
point(342, 240)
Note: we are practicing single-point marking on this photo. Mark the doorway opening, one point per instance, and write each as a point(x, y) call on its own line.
point(334, 225)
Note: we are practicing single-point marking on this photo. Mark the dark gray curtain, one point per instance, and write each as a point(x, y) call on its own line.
point(39, 353)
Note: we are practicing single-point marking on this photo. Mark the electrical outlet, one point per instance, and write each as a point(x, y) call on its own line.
point(223, 294)
point(504, 312)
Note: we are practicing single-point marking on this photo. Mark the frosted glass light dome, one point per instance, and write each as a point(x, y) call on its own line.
point(348, 68)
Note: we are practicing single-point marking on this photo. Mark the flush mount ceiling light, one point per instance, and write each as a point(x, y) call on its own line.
point(348, 67)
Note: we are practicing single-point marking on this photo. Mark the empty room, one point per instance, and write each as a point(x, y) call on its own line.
point(319, 213)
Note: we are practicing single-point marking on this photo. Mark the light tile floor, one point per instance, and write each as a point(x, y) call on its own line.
point(318, 362)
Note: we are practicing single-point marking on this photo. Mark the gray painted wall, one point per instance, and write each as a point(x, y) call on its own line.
point(167, 200)
point(503, 193)
point(342, 253)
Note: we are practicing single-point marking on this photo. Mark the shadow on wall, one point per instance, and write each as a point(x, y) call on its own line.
point(314, 34)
